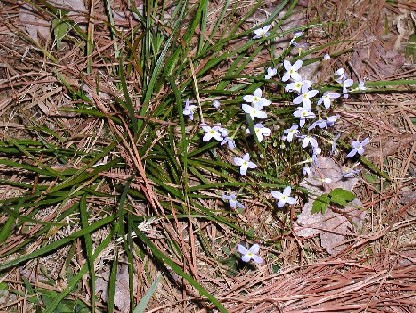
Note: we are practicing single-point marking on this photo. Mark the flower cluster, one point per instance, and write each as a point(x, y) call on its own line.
point(311, 113)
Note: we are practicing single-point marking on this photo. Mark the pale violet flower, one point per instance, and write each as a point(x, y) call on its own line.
point(348, 172)
point(244, 163)
point(296, 35)
point(320, 123)
point(229, 141)
point(216, 104)
point(232, 200)
point(327, 97)
point(292, 70)
point(188, 110)
point(334, 144)
point(260, 131)
point(330, 121)
point(316, 151)
point(340, 75)
point(360, 86)
point(284, 197)
point(303, 114)
point(223, 131)
point(347, 83)
point(327, 56)
point(271, 71)
point(261, 32)
point(257, 99)
point(307, 171)
point(297, 86)
point(248, 254)
point(292, 131)
point(309, 140)
point(357, 146)
point(212, 132)
point(305, 97)
point(254, 111)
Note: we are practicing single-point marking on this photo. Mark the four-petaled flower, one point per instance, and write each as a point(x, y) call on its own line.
point(284, 197)
point(292, 70)
point(271, 71)
point(306, 140)
point(340, 75)
point(297, 86)
point(305, 97)
point(307, 171)
point(303, 114)
point(261, 32)
point(229, 141)
point(189, 109)
point(216, 104)
point(232, 199)
point(212, 132)
point(291, 132)
point(260, 131)
point(257, 99)
point(248, 254)
point(357, 146)
point(327, 97)
point(244, 163)
point(347, 83)
point(254, 111)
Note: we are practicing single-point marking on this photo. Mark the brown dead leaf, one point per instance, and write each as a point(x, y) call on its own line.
point(335, 224)
point(122, 291)
point(36, 25)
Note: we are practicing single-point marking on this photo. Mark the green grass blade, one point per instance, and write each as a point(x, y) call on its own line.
point(141, 307)
point(58, 244)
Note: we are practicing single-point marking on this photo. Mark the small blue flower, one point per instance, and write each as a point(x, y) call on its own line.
point(283, 197)
point(357, 147)
point(232, 199)
point(248, 254)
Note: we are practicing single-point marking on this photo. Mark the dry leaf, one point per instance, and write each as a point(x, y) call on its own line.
point(122, 291)
point(36, 26)
point(334, 225)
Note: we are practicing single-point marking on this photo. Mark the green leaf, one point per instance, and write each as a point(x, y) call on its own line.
point(341, 196)
point(320, 204)
point(60, 29)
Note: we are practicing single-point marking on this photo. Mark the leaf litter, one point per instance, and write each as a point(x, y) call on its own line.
point(335, 224)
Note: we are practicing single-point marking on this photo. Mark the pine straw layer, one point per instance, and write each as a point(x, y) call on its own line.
point(383, 283)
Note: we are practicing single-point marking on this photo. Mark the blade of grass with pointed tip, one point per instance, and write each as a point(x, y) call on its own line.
point(141, 307)
point(88, 246)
